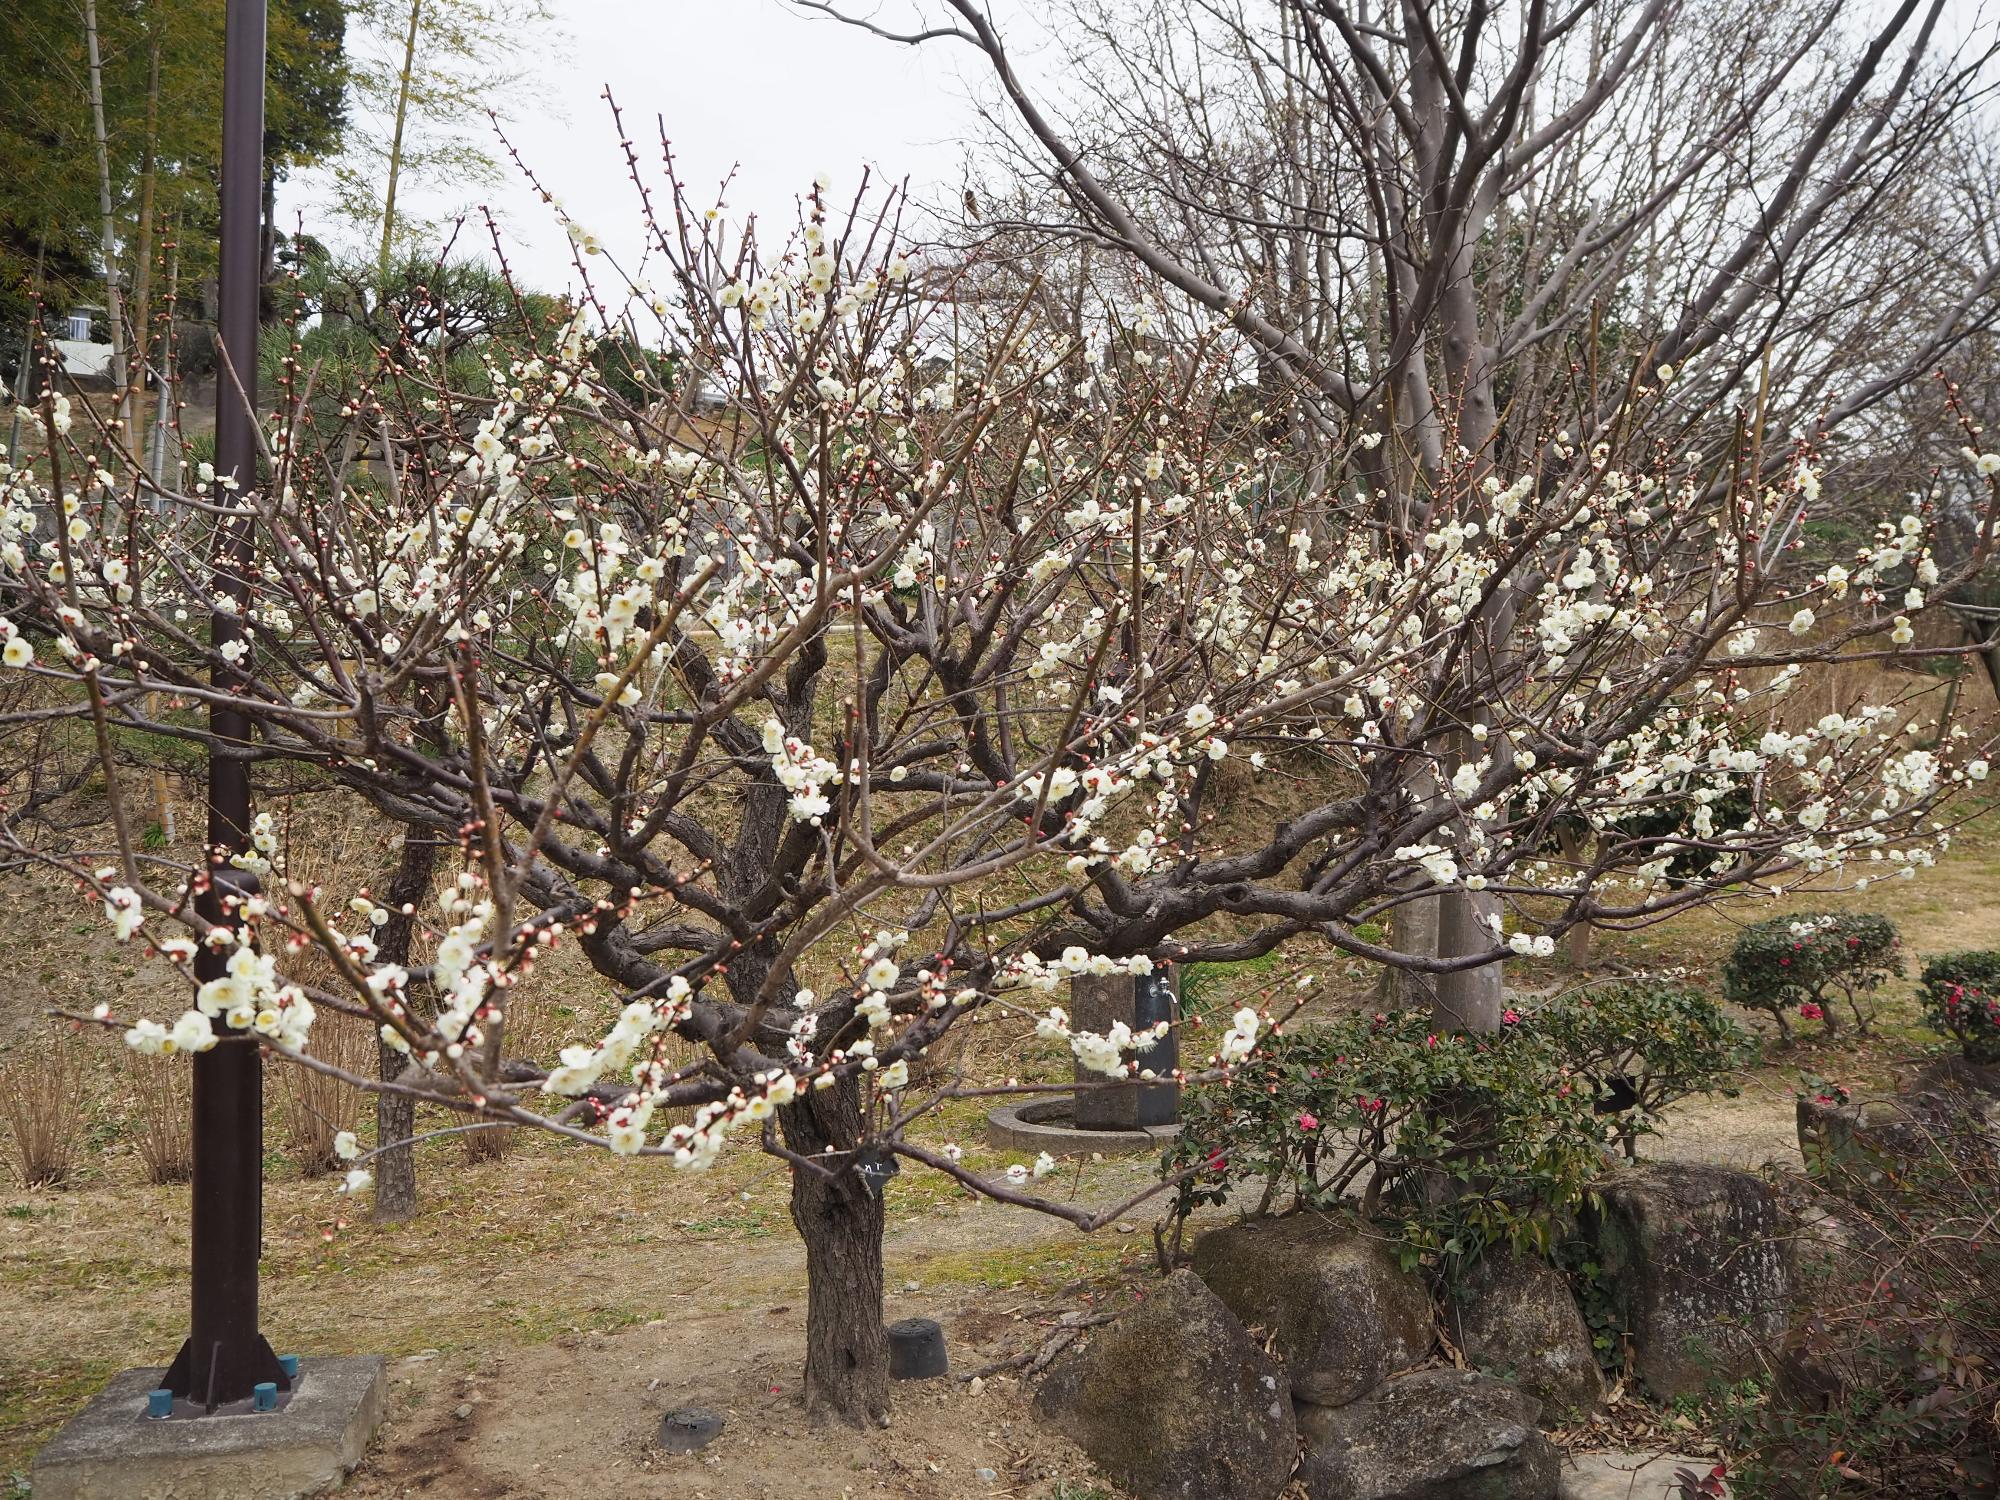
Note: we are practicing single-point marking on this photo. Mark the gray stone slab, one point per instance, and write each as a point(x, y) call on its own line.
point(111, 1451)
point(1619, 1476)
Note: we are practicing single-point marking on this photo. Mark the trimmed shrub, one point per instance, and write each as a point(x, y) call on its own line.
point(1643, 1044)
point(1801, 964)
point(1455, 1141)
point(1961, 997)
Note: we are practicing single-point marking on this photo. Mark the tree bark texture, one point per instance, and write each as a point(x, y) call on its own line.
point(840, 1221)
point(396, 1114)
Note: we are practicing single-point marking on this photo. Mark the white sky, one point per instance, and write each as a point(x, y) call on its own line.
point(756, 84)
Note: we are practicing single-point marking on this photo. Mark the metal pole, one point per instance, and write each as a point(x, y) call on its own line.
point(225, 1355)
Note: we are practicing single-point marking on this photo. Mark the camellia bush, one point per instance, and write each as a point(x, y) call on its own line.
point(1375, 1113)
point(1961, 997)
point(1372, 1112)
point(1802, 964)
point(1644, 1044)
point(875, 657)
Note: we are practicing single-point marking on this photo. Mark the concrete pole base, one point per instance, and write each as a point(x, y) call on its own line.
point(111, 1450)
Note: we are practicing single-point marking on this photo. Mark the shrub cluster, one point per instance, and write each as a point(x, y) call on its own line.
point(1888, 1384)
point(1802, 964)
point(1961, 997)
point(1643, 1044)
point(1458, 1141)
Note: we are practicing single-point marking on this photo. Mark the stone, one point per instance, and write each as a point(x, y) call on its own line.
point(689, 1429)
point(1695, 1263)
point(1860, 1146)
point(1432, 1435)
point(1834, 1248)
point(1629, 1476)
point(1175, 1401)
point(1515, 1317)
point(1345, 1316)
point(111, 1451)
point(1032, 1126)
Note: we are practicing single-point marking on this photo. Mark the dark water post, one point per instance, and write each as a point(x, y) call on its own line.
point(225, 1357)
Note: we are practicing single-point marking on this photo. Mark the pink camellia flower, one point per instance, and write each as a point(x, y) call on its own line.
point(1810, 1011)
point(1510, 1018)
point(1308, 1120)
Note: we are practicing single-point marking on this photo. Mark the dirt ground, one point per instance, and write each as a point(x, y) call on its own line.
point(546, 1308)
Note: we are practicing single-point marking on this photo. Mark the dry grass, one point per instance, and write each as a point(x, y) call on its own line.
point(162, 1129)
point(42, 1094)
point(315, 1107)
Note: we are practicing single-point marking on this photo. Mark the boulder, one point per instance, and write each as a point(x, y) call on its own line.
point(1434, 1435)
point(1834, 1249)
point(1694, 1260)
point(1515, 1317)
point(1343, 1314)
point(1175, 1400)
point(1633, 1476)
point(1857, 1147)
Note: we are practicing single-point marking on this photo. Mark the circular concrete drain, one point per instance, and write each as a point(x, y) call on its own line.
point(1048, 1124)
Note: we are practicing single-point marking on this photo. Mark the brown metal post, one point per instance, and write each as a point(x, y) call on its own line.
point(225, 1355)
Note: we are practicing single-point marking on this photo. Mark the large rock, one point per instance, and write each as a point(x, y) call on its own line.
point(1434, 1435)
point(1694, 1261)
point(1514, 1316)
point(1175, 1400)
point(1344, 1315)
point(1835, 1247)
point(1859, 1147)
point(1631, 1476)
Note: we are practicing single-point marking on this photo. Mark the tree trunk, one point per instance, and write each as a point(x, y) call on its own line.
point(1578, 939)
point(133, 400)
point(395, 166)
point(268, 310)
point(115, 310)
point(1469, 999)
point(1413, 929)
point(24, 374)
point(396, 1114)
point(1467, 922)
point(1573, 843)
point(840, 1220)
point(163, 415)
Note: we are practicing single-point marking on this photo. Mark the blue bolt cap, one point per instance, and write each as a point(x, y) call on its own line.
point(265, 1395)
point(289, 1363)
point(160, 1403)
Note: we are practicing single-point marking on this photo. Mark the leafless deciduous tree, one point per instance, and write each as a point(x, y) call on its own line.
point(1466, 224)
point(908, 681)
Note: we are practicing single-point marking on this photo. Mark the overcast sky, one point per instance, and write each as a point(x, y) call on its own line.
point(753, 84)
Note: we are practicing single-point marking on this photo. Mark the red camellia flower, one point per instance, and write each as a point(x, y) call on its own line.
point(1810, 1011)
